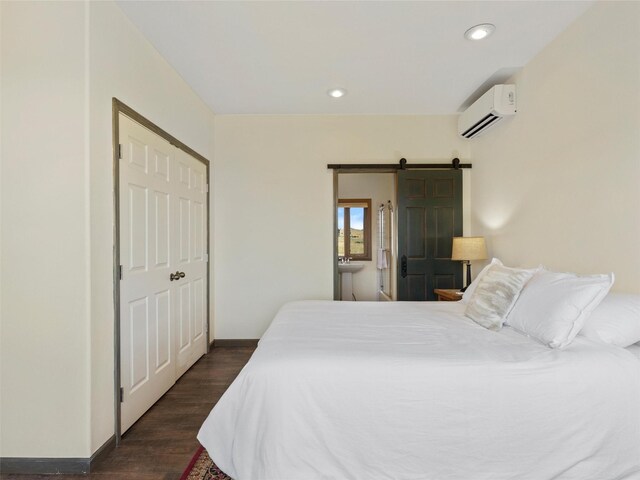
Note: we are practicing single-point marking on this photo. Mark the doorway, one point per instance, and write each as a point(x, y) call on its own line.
point(445, 213)
point(364, 239)
point(162, 274)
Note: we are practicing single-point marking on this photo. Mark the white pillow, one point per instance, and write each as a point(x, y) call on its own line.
point(468, 293)
point(495, 295)
point(553, 307)
point(615, 321)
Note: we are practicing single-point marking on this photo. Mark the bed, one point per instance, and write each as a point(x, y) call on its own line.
point(404, 390)
point(635, 350)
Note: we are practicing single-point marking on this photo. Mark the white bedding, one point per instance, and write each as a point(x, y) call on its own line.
point(635, 350)
point(399, 390)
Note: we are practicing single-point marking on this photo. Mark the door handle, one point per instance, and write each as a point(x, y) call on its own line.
point(403, 266)
point(176, 276)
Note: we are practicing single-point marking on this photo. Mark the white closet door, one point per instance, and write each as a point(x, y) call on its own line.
point(148, 360)
point(191, 260)
point(163, 253)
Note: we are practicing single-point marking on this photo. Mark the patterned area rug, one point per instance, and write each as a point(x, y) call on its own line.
point(201, 467)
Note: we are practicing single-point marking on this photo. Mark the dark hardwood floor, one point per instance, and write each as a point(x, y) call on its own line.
point(160, 444)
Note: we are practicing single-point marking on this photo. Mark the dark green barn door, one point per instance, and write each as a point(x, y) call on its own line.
point(429, 216)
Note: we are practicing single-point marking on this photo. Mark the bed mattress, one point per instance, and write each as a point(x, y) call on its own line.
point(403, 390)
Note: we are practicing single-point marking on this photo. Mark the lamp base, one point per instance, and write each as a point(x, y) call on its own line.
point(468, 275)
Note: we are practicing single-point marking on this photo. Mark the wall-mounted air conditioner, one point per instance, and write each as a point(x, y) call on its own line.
point(498, 102)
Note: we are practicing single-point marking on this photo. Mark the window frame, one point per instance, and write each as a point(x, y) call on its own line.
point(347, 203)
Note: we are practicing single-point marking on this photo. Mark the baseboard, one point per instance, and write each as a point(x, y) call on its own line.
point(40, 466)
point(239, 342)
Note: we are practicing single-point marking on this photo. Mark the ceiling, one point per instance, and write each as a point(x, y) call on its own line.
point(392, 57)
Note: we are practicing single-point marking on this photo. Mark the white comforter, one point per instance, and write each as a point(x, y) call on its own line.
point(357, 390)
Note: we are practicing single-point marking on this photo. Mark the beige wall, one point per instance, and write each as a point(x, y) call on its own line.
point(44, 410)
point(62, 62)
point(559, 184)
point(379, 187)
point(274, 202)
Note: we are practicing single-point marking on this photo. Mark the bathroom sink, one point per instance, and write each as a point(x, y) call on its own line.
point(350, 267)
point(346, 271)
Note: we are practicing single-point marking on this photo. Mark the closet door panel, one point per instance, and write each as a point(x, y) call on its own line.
point(148, 360)
point(193, 257)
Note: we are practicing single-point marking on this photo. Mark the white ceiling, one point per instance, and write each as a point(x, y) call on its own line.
point(392, 57)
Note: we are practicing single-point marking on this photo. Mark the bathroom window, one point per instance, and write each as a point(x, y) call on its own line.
point(354, 229)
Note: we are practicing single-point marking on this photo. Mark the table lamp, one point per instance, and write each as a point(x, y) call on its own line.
point(466, 249)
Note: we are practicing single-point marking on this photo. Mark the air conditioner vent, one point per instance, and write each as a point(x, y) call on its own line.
point(498, 102)
point(480, 125)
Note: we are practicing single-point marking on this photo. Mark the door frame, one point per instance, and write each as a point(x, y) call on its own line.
point(119, 107)
point(391, 168)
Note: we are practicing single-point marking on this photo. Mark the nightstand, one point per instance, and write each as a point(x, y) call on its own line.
point(448, 294)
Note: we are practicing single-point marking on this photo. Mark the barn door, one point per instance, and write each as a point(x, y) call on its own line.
point(429, 216)
point(163, 266)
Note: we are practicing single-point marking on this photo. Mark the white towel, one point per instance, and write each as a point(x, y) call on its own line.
point(383, 261)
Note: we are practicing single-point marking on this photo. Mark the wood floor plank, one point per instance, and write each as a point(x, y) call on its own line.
point(160, 445)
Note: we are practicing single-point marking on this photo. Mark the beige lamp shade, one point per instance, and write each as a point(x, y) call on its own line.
point(468, 248)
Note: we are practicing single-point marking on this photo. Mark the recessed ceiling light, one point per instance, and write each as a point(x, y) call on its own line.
point(480, 31)
point(337, 92)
